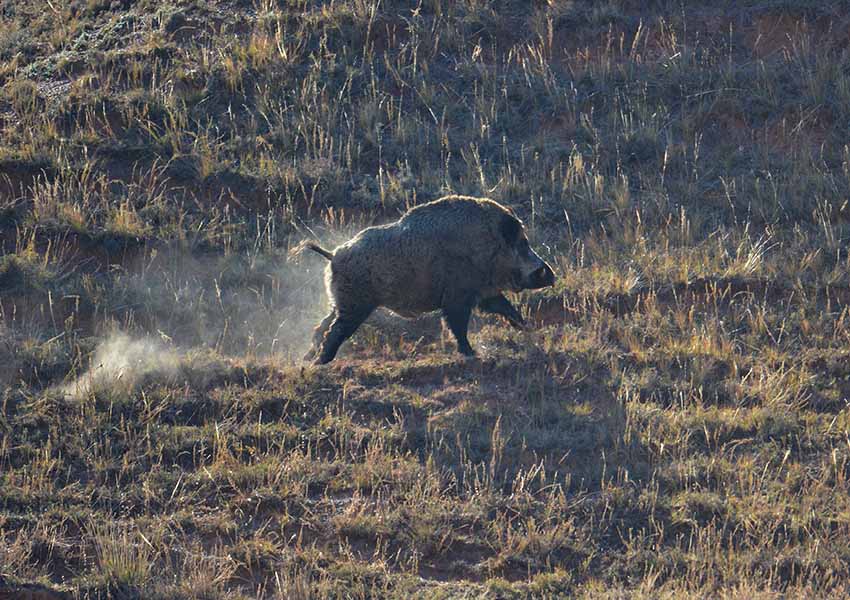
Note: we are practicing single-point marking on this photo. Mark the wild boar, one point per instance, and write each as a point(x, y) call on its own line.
point(453, 254)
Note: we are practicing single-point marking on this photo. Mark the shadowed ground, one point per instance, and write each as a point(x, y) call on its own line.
point(674, 423)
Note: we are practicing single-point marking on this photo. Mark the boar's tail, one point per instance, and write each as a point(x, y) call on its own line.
point(312, 246)
point(319, 250)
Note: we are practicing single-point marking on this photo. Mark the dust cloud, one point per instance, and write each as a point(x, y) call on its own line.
point(120, 361)
point(171, 304)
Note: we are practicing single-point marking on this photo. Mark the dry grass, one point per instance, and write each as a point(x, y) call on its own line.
point(676, 424)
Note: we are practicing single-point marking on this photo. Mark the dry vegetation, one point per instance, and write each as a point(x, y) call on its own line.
point(677, 424)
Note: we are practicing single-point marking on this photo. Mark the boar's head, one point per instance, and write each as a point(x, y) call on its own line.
point(527, 270)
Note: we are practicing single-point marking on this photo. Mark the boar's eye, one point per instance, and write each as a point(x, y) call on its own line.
point(510, 229)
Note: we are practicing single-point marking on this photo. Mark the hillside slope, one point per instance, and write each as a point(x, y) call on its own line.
point(675, 423)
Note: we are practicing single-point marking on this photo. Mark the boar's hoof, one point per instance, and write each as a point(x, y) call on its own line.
point(466, 350)
point(499, 305)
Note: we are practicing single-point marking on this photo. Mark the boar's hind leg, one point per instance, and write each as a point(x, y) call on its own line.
point(457, 318)
point(499, 305)
point(343, 326)
point(319, 334)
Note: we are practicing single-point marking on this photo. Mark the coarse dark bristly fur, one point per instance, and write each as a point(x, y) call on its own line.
point(453, 254)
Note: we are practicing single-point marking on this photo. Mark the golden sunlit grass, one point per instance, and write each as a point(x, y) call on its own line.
point(674, 424)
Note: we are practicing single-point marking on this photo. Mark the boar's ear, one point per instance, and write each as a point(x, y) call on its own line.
point(510, 228)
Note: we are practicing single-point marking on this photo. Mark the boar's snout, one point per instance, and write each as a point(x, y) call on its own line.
point(535, 272)
point(541, 278)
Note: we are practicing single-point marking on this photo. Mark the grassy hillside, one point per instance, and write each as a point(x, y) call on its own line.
point(675, 424)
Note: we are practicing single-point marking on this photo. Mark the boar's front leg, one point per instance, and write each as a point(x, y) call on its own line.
point(342, 328)
point(499, 305)
point(457, 318)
